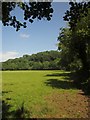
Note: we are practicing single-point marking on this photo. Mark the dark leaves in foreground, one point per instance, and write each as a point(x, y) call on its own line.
point(30, 10)
point(76, 12)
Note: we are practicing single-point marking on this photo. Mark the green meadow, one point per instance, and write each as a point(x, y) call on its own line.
point(41, 94)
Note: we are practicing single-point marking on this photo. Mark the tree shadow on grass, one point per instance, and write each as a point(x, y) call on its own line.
point(58, 75)
point(56, 83)
point(67, 76)
point(66, 83)
point(5, 92)
point(77, 79)
point(5, 110)
point(18, 114)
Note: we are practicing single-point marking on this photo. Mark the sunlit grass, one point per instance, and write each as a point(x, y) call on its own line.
point(32, 88)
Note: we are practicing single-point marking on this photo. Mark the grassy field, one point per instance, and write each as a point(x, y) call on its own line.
point(42, 94)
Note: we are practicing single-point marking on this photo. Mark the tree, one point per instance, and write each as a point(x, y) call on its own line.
point(41, 10)
point(31, 10)
point(46, 65)
point(34, 61)
point(66, 48)
point(79, 20)
point(77, 11)
point(79, 25)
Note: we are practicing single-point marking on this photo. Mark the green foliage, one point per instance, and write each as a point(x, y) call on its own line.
point(79, 20)
point(75, 65)
point(69, 57)
point(74, 43)
point(43, 60)
point(0, 65)
point(77, 11)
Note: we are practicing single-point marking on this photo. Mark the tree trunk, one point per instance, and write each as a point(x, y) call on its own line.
point(85, 64)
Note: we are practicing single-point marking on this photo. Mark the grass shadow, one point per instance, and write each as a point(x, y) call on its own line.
point(21, 112)
point(4, 92)
point(56, 83)
point(58, 74)
point(67, 76)
point(66, 83)
point(18, 114)
point(5, 110)
point(80, 80)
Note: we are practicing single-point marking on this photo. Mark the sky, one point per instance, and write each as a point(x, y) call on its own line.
point(38, 36)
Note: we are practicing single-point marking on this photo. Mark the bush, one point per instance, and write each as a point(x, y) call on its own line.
point(86, 87)
point(82, 80)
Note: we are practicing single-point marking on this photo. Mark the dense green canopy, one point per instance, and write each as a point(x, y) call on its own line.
point(43, 60)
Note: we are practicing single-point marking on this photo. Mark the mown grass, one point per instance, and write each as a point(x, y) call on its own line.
point(31, 92)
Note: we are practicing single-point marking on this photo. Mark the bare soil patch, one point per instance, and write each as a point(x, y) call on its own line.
point(68, 105)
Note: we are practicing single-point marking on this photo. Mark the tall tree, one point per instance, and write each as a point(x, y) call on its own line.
point(79, 20)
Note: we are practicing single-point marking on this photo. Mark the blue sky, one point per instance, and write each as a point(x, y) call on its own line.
point(38, 36)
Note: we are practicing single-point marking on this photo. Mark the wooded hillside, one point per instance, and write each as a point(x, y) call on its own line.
point(42, 60)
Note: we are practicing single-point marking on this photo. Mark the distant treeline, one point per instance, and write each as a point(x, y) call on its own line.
point(40, 61)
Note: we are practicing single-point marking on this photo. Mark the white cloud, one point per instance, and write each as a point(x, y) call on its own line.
point(8, 55)
point(23, 35)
